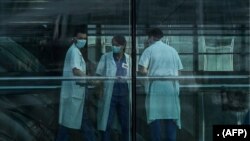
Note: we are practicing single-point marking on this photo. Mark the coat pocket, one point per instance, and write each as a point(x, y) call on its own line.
point(78, 92)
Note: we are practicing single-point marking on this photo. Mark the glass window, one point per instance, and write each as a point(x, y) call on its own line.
point(43, 57)
point(213, 45)
point(94, 62)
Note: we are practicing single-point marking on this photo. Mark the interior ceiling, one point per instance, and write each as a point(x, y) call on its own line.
point(118, 11)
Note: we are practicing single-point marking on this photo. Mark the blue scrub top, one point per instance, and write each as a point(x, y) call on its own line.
point(121, 86)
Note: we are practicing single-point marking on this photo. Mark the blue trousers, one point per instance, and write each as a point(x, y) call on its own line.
point(156, 129)
point(247, 119)
point(120, 104)
point(86, 130)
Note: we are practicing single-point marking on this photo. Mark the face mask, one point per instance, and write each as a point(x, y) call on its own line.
point(80, 43)
point(116, 49)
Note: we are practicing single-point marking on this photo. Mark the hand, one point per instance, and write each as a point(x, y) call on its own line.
point(98, 88)
point(95, 82)
point(81, 83)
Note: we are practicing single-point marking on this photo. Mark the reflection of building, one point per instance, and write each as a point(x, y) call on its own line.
point(15, 58)
point(222, 59)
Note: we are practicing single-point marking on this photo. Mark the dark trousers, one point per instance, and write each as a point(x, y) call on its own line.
point(247, 119)
point(120, 104)
point(86, 130)
point(156, 129)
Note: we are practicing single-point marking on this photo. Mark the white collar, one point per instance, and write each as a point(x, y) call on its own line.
point(74, 46)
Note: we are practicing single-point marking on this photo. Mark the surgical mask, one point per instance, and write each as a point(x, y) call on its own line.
point(116, 49)
point(80, 43)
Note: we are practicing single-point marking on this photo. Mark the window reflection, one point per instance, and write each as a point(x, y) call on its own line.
point(221, 50)
point(211, 37)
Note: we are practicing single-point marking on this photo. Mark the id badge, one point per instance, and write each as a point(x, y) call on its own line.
point(124, 65)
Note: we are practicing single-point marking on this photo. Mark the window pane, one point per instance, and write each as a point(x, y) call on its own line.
point(41, 53)
point(213, 43)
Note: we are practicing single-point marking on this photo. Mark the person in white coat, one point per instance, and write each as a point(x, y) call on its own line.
point(114, 103)
point(71, 108)
point(162, 96)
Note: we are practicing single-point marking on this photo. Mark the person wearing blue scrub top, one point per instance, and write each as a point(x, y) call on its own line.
point(114, 103)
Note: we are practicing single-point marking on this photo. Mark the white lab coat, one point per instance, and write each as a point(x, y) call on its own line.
point(72, 95)
point(162, 100)
point(107, 67)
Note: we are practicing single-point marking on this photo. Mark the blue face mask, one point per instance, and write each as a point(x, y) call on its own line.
point(116, 49)
point(80, 43)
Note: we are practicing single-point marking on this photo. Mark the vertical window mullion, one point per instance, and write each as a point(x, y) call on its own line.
point(133, 56)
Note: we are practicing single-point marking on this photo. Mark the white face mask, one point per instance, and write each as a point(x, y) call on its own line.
point(80, 43)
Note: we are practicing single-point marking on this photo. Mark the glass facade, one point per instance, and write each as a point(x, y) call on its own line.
point(211, 39)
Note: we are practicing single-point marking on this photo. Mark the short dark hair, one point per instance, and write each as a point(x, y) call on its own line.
point(120, 40)
point(155, 32)
point(79, 29)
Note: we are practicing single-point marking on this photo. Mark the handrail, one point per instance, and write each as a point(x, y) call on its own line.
point(29, 87)
point(181, 86)
point(59, 78)
point(128, 78)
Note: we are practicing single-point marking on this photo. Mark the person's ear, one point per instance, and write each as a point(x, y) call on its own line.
point(74, 40)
